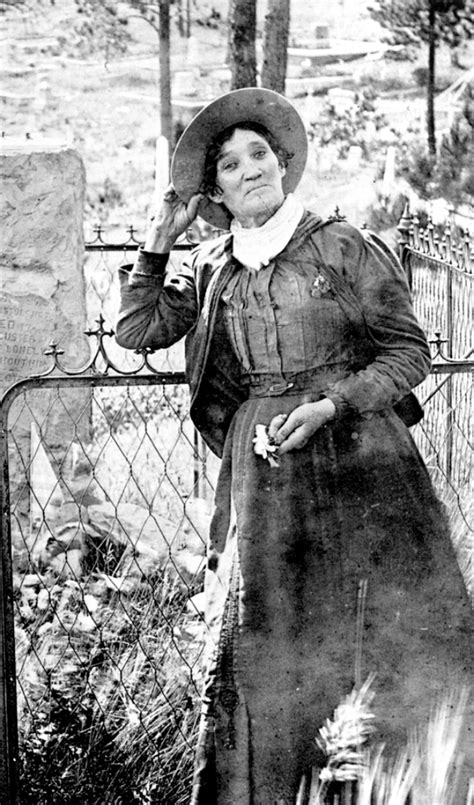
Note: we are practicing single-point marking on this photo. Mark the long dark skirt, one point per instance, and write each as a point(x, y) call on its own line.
point(346, 531)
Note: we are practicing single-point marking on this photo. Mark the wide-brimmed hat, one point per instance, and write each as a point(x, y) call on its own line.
point(250, 104)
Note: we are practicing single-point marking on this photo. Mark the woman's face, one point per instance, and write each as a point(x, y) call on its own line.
point(249, 178)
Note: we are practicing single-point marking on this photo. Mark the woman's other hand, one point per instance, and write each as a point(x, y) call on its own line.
point(171, 219)
point(294, 431)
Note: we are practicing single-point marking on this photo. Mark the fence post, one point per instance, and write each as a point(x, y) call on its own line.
point(449, 385)
point(403, 230)
point(8, 716)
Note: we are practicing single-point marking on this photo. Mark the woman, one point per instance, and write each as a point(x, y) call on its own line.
point(329, 556)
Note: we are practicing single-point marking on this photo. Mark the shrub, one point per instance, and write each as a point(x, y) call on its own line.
point(348, 127)
point(420, 74)
point(417, 166)
point(106, 716)
point(450, 174)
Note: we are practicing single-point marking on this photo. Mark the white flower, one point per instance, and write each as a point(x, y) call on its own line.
point(263, 446)
point(325, 775)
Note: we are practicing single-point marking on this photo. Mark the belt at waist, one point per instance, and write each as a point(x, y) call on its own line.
point(266, 384)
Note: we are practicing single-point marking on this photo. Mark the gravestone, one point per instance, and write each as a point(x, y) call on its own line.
point(42, 298)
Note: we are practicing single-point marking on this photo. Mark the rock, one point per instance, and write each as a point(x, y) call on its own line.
point(42, 295)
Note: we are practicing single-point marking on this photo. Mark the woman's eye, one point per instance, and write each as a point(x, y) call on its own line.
point(229, 166)
point(260, 154)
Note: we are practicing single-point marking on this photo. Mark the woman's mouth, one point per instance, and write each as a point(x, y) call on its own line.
point(253, 189)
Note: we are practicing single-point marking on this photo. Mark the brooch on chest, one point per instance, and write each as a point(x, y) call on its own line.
point(321, 287)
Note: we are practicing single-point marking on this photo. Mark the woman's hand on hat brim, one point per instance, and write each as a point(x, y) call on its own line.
point(294, 431)
point(170, 220)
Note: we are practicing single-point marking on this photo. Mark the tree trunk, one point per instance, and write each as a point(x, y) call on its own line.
point(181, 18)
point(430, 87)
point(184, 18)
point(165, 73)
point(242, 53)
point(275, 45)
point(188, 19)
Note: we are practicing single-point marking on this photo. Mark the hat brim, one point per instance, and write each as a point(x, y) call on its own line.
point(250, 104)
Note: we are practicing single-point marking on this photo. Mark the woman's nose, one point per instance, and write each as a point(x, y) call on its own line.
point(251, 170)
point(253, 174)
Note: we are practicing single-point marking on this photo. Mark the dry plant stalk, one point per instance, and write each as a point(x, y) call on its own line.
point(391, 785)
point(342, 739)
point(442, 759)
point(425, 772)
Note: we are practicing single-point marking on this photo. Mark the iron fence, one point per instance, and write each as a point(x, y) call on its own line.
point(439, 267)
point(103, 553)
point(439, 264)
point(101, 264)
point(106, 539)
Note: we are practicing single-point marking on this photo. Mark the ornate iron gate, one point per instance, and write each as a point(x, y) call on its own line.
point(103, 544)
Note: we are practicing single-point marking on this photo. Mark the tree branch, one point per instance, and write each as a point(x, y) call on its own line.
point(140, 17)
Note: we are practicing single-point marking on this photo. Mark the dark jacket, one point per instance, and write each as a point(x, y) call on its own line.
point(160, 305)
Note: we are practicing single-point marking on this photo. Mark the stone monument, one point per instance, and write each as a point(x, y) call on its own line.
point(42, 297)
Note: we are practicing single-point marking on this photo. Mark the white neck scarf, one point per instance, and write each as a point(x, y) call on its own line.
point(255, 247)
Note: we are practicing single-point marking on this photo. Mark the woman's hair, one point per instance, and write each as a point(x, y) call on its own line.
point(209, 180)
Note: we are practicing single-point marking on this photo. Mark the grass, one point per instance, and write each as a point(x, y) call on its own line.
point(357, 772)
point(108, 649)
point(108, 643)
point(108, 705)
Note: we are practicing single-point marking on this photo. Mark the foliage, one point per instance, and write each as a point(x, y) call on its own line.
point(106, 650)
point(417, 166)
point(212, 19)
point(425, 771)
point(348, 127)
point(8, 5)
point(100, 201)
point(421, 75)
point(101, 26)
point(104, 719)
point(104, 25)
point(455, 163)
point(119, 411)
point(343, 738)
point(430, 21)
point(450, 174)
point(408, 20)
point(108, 641)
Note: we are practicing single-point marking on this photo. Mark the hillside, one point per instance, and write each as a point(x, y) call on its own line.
point(108, 108)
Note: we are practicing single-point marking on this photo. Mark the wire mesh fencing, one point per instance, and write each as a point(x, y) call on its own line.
point(439, 266)
point(110, 489)
point(108, 493)
point(108, 543)
point(101, 264)
point(444, 439)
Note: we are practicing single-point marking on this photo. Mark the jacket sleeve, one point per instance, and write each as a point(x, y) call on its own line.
point(158, 304)
point(401, 352)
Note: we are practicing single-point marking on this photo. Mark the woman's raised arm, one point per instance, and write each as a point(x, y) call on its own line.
point(157, 303)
